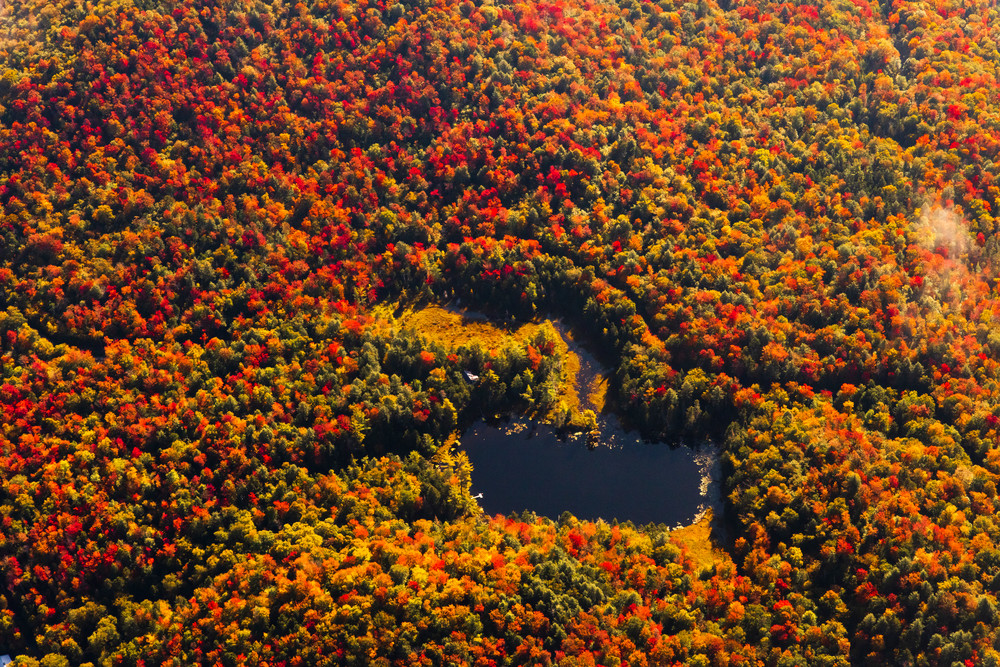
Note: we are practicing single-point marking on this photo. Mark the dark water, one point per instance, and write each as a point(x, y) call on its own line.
point(524, 466)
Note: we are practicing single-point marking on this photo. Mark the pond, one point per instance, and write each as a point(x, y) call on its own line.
point(522, 465)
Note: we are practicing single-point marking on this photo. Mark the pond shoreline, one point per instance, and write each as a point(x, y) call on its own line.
point(525, 465)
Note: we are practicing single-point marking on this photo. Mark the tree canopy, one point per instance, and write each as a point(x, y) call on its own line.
point(775, 218)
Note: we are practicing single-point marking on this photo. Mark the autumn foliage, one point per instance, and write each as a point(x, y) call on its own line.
point(775, 218)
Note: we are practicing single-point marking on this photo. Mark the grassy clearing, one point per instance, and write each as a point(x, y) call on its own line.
point(697, 540)
point(595, 392)
point(453, 328)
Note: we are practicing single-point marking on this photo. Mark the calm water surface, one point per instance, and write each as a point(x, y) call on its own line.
point(525, 466)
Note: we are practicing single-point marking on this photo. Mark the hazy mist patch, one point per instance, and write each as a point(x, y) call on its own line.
point(944, 228)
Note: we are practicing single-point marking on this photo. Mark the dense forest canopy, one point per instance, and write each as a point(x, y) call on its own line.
point(775, 218)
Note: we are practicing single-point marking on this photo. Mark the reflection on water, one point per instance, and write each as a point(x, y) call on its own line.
point(525, 466)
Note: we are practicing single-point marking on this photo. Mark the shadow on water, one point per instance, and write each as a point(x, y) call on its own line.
point(523, 465)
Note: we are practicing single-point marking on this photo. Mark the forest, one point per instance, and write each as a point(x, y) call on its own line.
point(773, 218)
